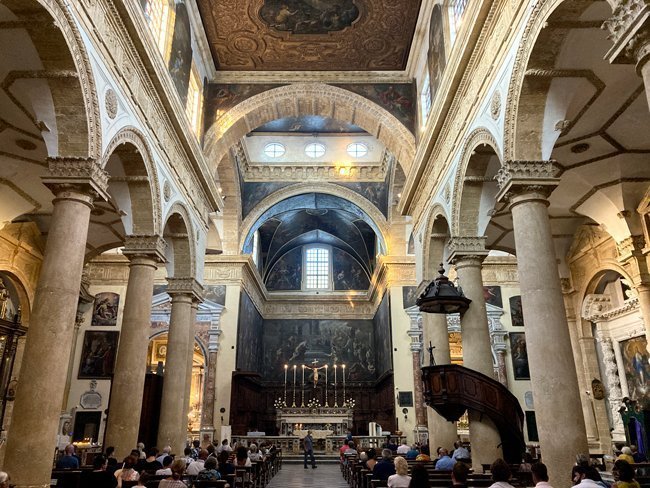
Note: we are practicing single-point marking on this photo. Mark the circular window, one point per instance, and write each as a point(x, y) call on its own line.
point(315, 150)
point(274, 150)
point(357, 150)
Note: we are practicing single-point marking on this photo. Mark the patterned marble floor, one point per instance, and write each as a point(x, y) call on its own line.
point(295, 476)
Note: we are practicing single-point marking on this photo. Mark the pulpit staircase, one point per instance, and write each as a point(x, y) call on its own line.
point(452, 389)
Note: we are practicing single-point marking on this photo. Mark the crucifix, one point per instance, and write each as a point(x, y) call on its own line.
point(315, 371)
point(432, 362)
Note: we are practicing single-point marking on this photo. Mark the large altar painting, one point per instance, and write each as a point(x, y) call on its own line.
point(320, 342)
point(637, 370)
point(98, 354)
point(309, 16)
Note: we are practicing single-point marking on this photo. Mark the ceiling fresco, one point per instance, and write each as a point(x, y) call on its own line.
point(310, 35)
point(310, 124)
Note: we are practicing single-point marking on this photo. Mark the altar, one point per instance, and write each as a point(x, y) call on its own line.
point(322, 421)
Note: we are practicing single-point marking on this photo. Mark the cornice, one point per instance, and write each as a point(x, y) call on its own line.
point(491, 23)
point(289, 77)
point(118, 29)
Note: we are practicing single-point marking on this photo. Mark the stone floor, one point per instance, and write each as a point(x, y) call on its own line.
point(295, 476)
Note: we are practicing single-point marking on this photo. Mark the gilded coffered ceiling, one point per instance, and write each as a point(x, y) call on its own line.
point(285, 35)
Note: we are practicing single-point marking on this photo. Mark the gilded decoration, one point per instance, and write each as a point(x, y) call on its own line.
point(324, 35)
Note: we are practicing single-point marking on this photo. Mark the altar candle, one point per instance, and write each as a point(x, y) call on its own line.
point(294, 385)
point(302, 404)
point(335, 402)
point(344, 400)
point(286, 370)
point(326, 368)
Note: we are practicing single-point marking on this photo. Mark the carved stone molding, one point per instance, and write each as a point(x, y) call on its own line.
point(415, 329)
point(453, 323)
point(83, 175)
point(521, 177)
point(265, 172)
point(629, 30)
point(495, 105)
point(615, 395)
point(185, 286)
point(594, 306)
point(630, 247)
point(152, 246)
point(466, 247)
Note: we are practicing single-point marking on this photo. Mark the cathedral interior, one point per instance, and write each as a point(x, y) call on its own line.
point(218, 219)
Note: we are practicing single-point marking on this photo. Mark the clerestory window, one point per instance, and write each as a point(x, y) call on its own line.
point(317, 268)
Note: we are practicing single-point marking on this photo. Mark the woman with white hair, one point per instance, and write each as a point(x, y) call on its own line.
point(401, 479)
point(4, 480)
point(626, 455)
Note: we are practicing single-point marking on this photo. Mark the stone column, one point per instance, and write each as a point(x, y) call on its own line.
point(190, 360)
point(210, 385)
point(629, 31)
point(172, 429)
point(75, 183)
point(144, 253)
point(415, 333)
point(525, 185)
point(467, 255)
point(434, 331)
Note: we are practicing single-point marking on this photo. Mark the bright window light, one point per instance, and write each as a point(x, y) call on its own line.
point(274, 150)
point(315, 150)
point(357, 150)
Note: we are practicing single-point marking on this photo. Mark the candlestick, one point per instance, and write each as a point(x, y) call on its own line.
point(286, 369)
point(336, 404)
point(294, 386)
point(326, 402)
point(302, 402)
point(344, 400)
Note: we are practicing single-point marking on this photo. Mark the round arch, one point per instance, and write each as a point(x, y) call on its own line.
point(522, 135)
point(470, 196)
point(147, 213)
point(301, 99)
point(181, 249)
point(62, 50)
point(326, 188)
point(437, 223)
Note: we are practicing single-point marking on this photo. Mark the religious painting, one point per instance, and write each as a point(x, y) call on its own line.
point(180, 59)
point(309, 16)
point(492, 295)
point(405, 398)
point(637, 369)
point(516, 312)
point(376, 193)
point(98, 354)
point(320, 342)
point(347, 273)
point(437, 58)
point(286, 274)
point(310, 124)
point(383, 336)
point(216, 294)
point(249, 336)
point(222, 97)
point(105, 309)
point(253, 193)
point(409, 295)
point(519, 354)
point(397, 98)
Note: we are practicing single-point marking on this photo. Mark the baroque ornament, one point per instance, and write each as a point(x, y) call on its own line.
point(495, 105)
point(110, 102)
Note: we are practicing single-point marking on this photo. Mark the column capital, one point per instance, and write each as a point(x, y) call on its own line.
point(185, 286)
point(145, 245)
point(467, 250)
point(529, 178)
point(69, 177)
point(629, 31)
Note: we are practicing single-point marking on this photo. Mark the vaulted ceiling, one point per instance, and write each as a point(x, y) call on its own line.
point(304, 35)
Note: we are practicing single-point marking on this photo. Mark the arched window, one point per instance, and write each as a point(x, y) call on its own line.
point(425, 99)
point(317, 268)
point(194, 106)
point(160, 17)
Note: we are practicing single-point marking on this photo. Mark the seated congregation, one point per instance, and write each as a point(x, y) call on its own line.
point(413, 467)
point(215, 465)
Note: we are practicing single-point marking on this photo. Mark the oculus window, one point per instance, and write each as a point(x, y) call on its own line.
point(317, 268)
point(357, 150)
point(315, 150)
point(274, 150)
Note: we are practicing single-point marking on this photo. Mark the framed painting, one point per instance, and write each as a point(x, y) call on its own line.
point(516, 312)
point(519, 355)
point(105, 309)
point(98, 354)
point(637, 371)
point(492, 295)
